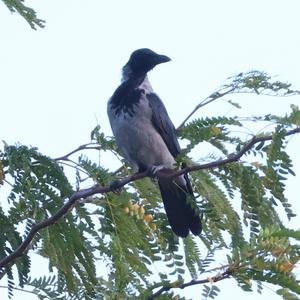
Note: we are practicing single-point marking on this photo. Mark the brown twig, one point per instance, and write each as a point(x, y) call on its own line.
point(234, 90)
point(84, 193)
point(231, 157)
point(80, 148)
point(170, 286)
point(206, 101)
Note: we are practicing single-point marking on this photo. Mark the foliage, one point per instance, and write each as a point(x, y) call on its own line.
point(26, 12)
point(118, 245)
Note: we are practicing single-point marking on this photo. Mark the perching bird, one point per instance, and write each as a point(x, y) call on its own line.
point(147, 138)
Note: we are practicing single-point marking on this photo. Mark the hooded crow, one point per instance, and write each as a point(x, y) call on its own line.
point(147, 138)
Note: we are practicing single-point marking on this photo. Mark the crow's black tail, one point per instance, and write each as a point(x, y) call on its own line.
point(180, 205)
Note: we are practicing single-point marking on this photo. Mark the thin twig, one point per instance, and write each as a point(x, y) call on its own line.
point(218, 95)
point(19, 289)
point(204, 102)
point(76, 166)
point(80, 148)
point(96, 189)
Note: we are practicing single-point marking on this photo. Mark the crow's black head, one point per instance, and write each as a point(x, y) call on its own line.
point(144, 60)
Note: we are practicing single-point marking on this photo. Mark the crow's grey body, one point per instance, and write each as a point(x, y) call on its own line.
point(138, 140)
point(147, 139)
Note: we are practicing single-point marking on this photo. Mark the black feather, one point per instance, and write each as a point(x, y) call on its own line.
point(163, 124)
point(127, 95)
point(180, 207)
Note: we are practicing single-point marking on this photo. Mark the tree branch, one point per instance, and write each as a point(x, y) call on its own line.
point(80, 148)
point(117, 184)
point(231, 157)
point(204, 102)
point(19, 289)
point(84, 193)
point(175, 285)
point(249, 82)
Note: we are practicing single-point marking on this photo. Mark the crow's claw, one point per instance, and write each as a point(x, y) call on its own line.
point(115, 186)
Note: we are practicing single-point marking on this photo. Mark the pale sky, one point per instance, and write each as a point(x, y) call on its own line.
point(55, 81)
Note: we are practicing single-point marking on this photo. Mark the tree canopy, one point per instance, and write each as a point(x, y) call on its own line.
point(104, 232)
point(105, 241)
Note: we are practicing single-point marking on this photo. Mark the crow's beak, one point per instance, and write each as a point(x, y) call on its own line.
point(162, 59)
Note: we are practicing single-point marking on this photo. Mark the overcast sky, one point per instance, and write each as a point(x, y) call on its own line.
point(55, 82)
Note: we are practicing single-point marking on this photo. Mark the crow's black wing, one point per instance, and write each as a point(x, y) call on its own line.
point(181, 214)
point(163, 124)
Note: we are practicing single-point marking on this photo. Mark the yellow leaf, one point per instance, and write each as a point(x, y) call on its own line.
point(148, 218)
point(248, 281)
point(256, 164)
point(126, 210)
point(278, 251)
point(216, 130)
point(135, 208)
point(286, 267)
point(153, 226)
point(141, 211)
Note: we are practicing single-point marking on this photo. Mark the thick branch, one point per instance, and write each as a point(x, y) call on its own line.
point(84, 193)
point(170, 286)
point(231, 157)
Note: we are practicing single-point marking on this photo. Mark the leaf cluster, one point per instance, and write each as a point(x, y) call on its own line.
point(26, 12)
point(118, 245)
